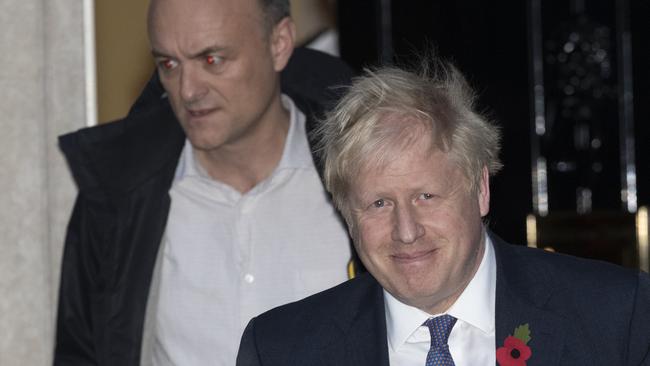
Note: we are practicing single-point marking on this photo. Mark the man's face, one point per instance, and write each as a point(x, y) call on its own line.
point(219, 65)
point(418, 228)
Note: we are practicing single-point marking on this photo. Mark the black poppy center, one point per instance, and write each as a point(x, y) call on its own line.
point(515, 353)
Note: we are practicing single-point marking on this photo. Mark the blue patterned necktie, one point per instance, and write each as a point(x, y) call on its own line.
point(440, 327)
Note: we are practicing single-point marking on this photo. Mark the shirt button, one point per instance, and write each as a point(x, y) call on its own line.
point(249, 278)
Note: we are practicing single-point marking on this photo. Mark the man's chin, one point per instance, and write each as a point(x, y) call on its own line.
point(200, 143)
point(417, 292)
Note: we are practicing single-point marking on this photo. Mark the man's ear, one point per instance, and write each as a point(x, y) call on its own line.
point(484, 192)
point(282, 40)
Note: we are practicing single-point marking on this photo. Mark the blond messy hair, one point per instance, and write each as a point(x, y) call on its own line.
point(388, 108)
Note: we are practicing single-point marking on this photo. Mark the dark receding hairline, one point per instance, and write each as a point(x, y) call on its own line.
point(272, 11)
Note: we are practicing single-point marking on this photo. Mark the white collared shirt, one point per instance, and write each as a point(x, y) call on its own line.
point(229, 257)
point(472, 340)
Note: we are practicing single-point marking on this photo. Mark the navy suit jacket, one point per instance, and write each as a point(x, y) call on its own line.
point(580, 312)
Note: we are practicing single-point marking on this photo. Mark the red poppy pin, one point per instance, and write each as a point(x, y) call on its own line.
point(515, 351)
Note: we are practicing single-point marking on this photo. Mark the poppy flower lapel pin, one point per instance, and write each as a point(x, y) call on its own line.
point(515, 351)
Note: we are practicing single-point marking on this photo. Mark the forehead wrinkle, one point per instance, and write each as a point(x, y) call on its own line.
point(439, 175)
point(196, 25)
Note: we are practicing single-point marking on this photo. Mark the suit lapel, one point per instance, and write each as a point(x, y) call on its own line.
point(367, 341)
point(520, 297)
point(362, 337)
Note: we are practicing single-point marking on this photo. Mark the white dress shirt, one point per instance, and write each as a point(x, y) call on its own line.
point(229, 257)
point(471, 341)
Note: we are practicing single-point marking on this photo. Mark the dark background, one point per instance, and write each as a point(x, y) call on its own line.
point(489, 41)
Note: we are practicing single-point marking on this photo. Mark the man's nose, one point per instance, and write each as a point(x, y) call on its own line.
point(406, 226)
point(193, 86)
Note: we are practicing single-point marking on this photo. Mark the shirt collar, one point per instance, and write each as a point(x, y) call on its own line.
point(295, 155)
point(403, 320)
point(480, 290)
point(188, 166)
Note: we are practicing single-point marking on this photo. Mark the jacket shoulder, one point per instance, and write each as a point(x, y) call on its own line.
point(600, 306)
point(587, 291)
point(570, 272)
point(337, 302)
point(321, 315)
point(119, 154)
point(315, 78)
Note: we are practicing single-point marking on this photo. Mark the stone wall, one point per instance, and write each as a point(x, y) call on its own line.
point(42, 80)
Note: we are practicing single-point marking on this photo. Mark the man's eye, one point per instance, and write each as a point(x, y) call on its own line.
point(167, 64)
point(212, 59)
point(426, 196)
point(379, 203)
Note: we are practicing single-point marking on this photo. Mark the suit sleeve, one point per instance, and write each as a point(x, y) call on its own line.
point(74, 336)
point(639, 344)
point(248, 354)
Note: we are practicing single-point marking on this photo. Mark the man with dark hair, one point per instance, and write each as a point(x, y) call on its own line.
point(408, 161)
point(203, 209)
point(275, 11)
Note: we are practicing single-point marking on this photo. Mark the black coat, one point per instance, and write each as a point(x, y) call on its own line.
point(580, 312)
point(123, 172)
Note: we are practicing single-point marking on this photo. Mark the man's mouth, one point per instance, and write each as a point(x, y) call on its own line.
point(200, 112)
point(415, 256)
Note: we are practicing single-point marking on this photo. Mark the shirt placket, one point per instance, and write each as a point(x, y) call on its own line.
point(247, 275)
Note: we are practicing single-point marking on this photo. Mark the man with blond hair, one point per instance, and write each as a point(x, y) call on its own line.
point(408, 161)
point(205, 208)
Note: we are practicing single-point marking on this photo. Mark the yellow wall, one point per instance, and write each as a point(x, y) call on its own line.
point(311, 17)
point(124, 62)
